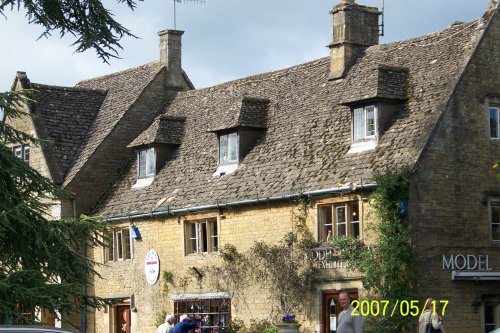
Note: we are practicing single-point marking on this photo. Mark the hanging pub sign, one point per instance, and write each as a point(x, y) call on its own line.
point(152, 267)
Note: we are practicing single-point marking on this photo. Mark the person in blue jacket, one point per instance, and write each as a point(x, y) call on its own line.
point(186, 324)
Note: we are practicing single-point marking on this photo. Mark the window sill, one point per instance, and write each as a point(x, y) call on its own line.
point(225, 169)
point(361, 146)
point(143, 182)
point(201, 255)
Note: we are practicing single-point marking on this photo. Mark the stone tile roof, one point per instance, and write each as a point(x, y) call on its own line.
point(164, 130)
point(65, 115)
point(241, 111)
point(381, 82)
point(123, 89)
point(308, 128)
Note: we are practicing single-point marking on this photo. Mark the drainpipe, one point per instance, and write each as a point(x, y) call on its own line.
point(317, 193)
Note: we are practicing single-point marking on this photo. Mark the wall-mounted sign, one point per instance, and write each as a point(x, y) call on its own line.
point(467, 262)
point(152, 267)
point(326, 258)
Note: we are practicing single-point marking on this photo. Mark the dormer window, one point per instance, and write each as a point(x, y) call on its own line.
point(228, 148)
point(147, 163)
point(364, 126)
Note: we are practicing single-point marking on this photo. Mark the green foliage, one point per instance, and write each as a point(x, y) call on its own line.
point(167, 278)
point(88, 21)
point(280, 269)
point(387, 265)
point(160, 317)
point(255, 326)
point(44, 262)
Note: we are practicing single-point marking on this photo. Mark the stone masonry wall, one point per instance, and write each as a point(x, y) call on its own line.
point(450, 188)
point(239, 226)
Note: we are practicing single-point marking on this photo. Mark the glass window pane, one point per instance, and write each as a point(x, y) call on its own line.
point(355, 229)
point(494, 122)
point(119, 247)
point(18, 152)
point(325, 221)
point(358, 124)
point(150, 162)
point(233, 147)
point(495, 212)
point(495, 231)
point(214, 234)
point(126, 238)
point(223, 149)
point(203, 236)
point(142, 163)
point(341, 230)
point(192, 238)
point(341, 218)
point(370, 121)
point(26, 154)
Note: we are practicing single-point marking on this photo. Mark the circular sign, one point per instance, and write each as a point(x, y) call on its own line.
point(152, 267)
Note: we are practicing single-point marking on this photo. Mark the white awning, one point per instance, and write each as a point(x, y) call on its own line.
point(185, 297)
point(476, 275)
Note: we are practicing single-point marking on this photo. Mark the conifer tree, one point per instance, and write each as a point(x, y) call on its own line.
point(43, 262)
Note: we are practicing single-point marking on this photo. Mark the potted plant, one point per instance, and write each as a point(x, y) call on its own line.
point(289, 324)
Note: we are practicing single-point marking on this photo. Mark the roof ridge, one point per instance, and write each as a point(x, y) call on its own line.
point(73, 88)
point(156, 62)
point(415, 40)
point(259, 77)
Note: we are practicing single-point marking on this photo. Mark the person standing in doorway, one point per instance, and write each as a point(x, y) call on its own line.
point(350, 321)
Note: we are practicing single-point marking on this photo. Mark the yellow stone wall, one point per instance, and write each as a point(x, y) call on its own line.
point(241, 226)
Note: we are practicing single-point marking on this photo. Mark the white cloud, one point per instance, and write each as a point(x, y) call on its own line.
point(223, 40)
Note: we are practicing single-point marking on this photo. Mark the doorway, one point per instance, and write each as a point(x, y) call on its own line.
point(330, 309)
point(122, 319)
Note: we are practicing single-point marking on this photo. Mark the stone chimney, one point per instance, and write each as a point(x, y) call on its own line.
point(170, 56)
point(355, 27)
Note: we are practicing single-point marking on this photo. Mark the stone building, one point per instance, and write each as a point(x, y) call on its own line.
point(181, 172)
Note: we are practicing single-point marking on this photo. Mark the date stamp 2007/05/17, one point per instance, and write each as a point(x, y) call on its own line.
point(405, 308)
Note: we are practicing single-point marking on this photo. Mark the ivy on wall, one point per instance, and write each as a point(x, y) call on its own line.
point(387, 264)
point(279, 270)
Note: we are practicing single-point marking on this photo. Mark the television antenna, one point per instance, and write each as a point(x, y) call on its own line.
point(185, 1)
point(381, 25)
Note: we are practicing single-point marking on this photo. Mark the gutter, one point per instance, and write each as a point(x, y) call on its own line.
point(317, 193)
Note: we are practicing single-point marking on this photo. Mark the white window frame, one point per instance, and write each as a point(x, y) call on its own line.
point(23, 152)
point(201, 236)
point(368, 130)
point(116, 249)
point(26, 154)
point(146, 163)
point(331, 213)
point(493, 202)
point(496, 122)
point(229, 143)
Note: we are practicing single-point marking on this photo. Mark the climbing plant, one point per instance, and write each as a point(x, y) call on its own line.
point(386, 264)
point(280, 269)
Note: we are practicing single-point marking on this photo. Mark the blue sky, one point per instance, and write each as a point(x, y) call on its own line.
point(223, 39)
